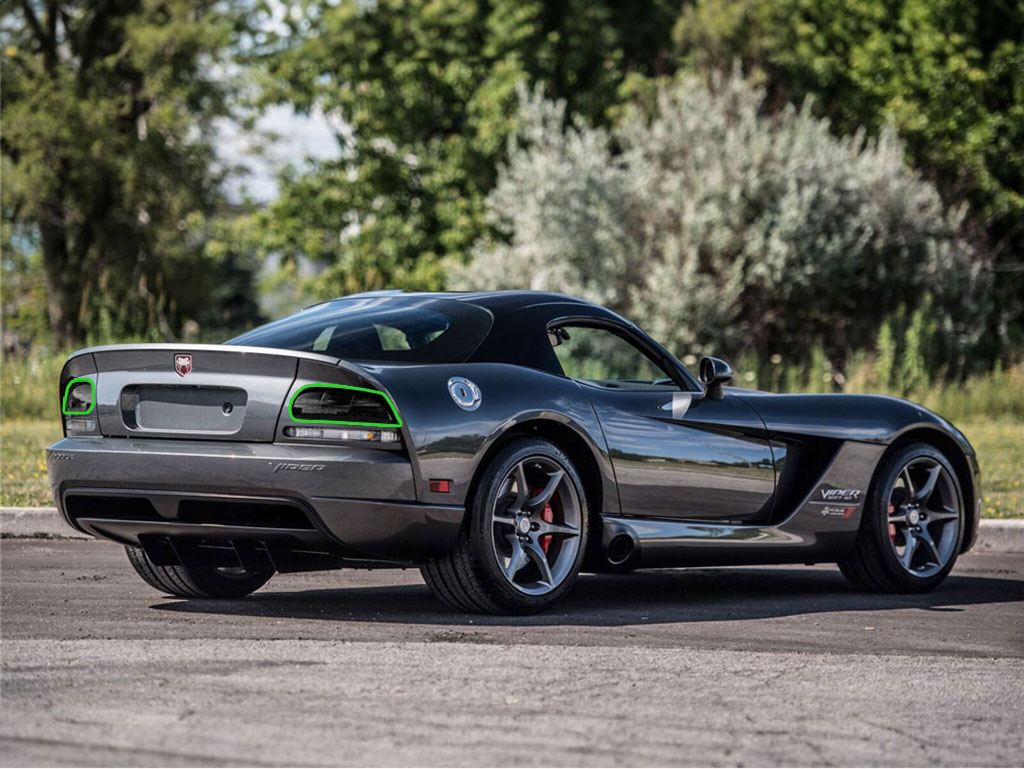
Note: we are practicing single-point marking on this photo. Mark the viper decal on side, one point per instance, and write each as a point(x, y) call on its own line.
point(840, 495)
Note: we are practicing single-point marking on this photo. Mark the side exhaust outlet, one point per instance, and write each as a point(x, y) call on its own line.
point(620, 549)
point(620, 545)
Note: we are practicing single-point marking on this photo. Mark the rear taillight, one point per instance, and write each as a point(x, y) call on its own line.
point(343, 405)
point(78, 406)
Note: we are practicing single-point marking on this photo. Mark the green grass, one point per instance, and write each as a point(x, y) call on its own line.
point(28, 387)
point(999, 443)
point(996, 395)
point(23, 480)
point(1000, 447)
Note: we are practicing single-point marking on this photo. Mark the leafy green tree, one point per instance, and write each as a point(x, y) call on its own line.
point(109, 181)
point(949, 74)
point(425, 90)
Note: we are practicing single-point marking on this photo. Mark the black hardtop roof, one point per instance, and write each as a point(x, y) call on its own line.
point(505, 300)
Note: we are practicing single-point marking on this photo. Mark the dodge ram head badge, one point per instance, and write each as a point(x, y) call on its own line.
point(183, 364)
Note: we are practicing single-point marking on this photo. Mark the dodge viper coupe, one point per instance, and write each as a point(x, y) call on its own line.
point(502, 442)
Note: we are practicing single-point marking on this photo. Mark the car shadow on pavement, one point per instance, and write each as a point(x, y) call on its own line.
point(665, 596)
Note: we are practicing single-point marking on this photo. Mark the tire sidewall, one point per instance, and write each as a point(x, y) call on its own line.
point(480, 523)
point(877, 519)
point(230, 586)
point(195, 581)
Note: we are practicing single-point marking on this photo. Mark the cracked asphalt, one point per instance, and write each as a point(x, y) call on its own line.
point(751, 666)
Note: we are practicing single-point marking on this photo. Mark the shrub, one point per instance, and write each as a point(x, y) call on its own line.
point(724, 228)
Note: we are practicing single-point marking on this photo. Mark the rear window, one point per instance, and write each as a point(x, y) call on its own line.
point(399, 328)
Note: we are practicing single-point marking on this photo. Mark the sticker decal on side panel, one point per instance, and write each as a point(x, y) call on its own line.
point(840, 495)
point(837, 503)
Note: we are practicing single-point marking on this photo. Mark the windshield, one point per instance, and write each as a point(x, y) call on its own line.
point(395, 328)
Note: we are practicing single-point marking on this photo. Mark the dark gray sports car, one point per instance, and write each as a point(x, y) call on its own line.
point(502, 442)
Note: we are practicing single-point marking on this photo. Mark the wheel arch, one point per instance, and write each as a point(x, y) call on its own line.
point(569, 440)
point(964, 466)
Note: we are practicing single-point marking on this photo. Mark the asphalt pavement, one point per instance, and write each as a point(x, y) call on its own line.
point(751, 666)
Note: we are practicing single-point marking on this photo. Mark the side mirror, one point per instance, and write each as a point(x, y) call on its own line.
point(714, 374)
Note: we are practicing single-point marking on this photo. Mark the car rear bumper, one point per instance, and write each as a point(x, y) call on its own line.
point(279, 501)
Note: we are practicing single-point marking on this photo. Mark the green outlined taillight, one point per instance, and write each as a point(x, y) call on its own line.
point(333, 404)
point(79, 397)
point(79, 406)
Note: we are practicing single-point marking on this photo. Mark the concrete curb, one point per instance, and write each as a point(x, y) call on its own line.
point(35, 523)
point(994, 535)
point(1000, 536)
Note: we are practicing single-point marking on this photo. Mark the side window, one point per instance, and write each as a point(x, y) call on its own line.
point(604, 359)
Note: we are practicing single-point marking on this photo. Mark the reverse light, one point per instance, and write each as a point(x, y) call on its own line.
point(338, 434)
point(76, 425)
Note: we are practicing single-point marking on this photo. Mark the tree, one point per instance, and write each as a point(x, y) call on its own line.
point(723, 227)
point(425, 92)
point(949, 74)
point(109, 169)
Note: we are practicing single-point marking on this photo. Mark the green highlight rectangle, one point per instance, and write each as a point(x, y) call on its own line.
point(387, 399)
point(67, 394)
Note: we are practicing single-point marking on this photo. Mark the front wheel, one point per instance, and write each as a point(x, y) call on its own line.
point(524, 541)
point(913, 524)
point(197, 581)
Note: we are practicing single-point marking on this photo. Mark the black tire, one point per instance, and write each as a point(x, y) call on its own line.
point(196, 582)
point(874, 565)
point(470, 578)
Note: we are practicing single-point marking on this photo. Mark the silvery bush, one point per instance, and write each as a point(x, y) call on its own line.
point(724, 227)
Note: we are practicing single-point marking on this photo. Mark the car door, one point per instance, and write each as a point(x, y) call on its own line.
point(674, 453)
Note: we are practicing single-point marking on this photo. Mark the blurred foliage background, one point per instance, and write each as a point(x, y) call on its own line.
point(831, 194)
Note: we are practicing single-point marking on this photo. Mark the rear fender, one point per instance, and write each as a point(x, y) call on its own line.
point(448, 442)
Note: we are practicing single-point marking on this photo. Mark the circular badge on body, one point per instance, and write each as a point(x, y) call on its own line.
point(465, 394)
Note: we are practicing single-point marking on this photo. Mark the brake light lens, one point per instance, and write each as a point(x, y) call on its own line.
point(343, 405)
point(78, 397)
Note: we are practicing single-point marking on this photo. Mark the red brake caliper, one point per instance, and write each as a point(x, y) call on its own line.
point(547, 514)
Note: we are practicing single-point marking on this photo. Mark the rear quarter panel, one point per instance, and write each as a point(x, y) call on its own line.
point(448, 442)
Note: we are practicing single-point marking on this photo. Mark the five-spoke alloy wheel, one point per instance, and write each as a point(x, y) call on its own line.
point(913, 524)
point(525, 537)
point(924, 517)
point(536, 526)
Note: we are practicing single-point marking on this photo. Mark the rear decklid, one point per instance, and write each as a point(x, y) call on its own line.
point(211, 392)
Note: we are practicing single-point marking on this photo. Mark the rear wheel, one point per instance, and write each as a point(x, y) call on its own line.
point(197, 581)
point(913, 524)
point(521, 550)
